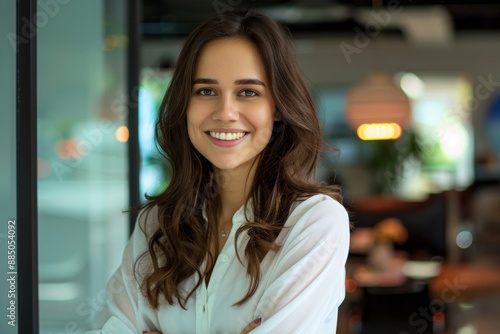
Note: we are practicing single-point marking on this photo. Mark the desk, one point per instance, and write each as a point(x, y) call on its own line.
point(452, 282)
point(399, 271)
point(464, 282)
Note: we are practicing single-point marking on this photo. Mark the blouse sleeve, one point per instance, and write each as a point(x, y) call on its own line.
point(308, 282)
point(127, 310)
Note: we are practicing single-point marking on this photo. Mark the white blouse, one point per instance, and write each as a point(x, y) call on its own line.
point(301, 286)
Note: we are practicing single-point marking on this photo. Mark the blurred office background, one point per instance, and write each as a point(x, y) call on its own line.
point(408, 91)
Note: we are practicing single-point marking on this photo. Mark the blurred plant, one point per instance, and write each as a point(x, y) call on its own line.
point(388, 157)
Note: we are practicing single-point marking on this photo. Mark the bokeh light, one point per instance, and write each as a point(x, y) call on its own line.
point(122, 134)
point(464, 239)
point(412, 85)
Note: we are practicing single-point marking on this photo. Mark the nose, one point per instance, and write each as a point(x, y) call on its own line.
point(226, 110)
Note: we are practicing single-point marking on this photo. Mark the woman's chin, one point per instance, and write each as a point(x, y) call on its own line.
point(225, 167)
point(230, 166)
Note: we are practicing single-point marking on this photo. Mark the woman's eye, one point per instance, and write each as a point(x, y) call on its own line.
point(248, 93)
point(206, 92)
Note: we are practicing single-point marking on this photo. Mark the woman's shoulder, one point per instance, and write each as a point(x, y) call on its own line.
point(319, 211)
point(317, 202)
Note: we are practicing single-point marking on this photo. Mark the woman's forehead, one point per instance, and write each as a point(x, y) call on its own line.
point(226, 57)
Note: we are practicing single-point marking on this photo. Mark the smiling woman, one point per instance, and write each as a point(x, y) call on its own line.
point(242, 239)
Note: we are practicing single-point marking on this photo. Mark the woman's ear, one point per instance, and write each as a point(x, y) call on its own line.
point(277, 116)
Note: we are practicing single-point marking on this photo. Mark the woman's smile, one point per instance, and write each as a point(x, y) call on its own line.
point(226, 139)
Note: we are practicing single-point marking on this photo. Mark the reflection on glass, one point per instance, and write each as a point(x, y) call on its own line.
point(154, 170)
point(82, 148)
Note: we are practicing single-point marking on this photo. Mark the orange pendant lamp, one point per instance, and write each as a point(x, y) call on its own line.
point(377, 108)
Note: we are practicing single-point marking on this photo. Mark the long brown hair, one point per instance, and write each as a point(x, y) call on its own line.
point(285, 171)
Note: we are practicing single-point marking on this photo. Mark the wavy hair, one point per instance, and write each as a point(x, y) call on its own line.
point(284, 173)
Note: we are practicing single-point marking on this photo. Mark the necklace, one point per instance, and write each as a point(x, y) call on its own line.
point(225, 233)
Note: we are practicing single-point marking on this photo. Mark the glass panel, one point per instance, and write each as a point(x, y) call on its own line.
point(7, 164)
point(82, 148)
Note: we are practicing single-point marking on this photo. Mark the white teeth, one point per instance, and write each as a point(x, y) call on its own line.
point(227, 135)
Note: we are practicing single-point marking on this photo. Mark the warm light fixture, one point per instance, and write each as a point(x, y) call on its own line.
point(377, 100)
point(379, 131)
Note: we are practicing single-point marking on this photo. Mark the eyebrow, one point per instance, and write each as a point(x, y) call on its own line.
point(237, 82)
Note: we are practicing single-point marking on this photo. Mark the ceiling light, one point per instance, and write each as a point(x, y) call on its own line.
point(377, 100)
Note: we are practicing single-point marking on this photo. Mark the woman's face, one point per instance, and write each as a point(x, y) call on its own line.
point(231, 111)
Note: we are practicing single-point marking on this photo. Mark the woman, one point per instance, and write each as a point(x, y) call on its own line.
point(242, 239)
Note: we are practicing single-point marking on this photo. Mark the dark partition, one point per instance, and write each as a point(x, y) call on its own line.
point(26, 166)
point(425, 221)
